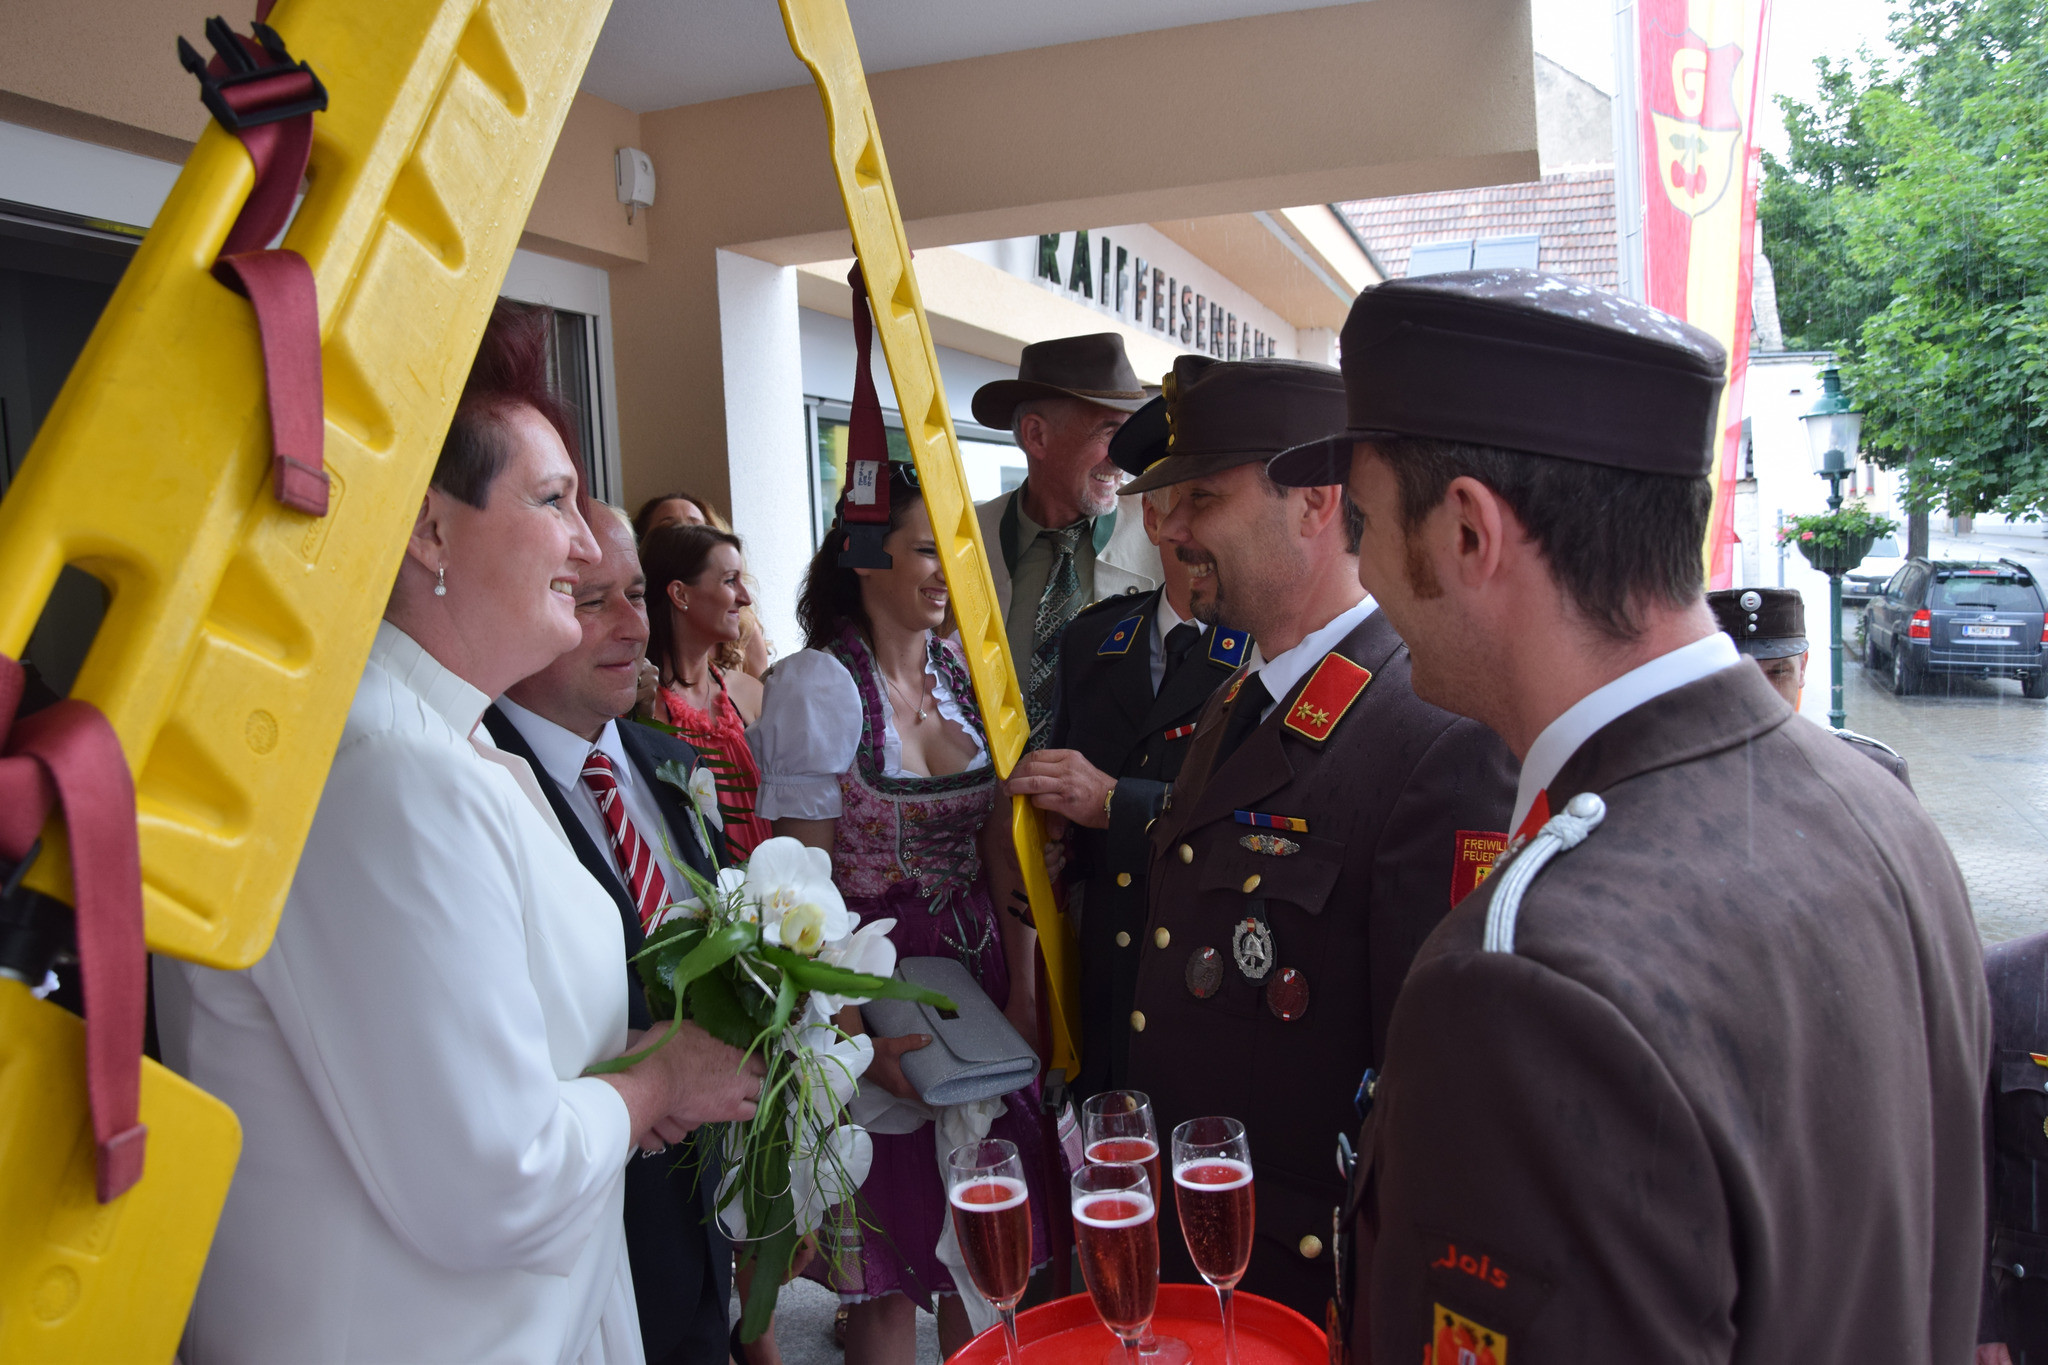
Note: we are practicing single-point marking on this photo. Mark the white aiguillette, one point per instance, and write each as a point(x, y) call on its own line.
point(975, 1053)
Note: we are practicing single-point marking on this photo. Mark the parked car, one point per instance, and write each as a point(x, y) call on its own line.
point(1978, 620)
point(1867, 579)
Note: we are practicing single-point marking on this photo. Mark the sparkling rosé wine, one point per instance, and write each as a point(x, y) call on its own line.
point(1118, 1238)
point(992, 1220)
point(1214, 1195)
point(1141, 1151)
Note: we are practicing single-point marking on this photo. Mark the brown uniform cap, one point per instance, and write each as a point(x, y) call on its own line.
point(1766, 623)
point(1520, 360)
point(1093, 368)
point(1215, 414)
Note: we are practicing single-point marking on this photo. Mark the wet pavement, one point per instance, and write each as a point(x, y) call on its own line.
point(1978, 752)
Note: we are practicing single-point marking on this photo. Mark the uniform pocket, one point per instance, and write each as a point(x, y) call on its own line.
point(1302, 879)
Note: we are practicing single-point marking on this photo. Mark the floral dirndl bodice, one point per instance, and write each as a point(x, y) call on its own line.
point(911, 841)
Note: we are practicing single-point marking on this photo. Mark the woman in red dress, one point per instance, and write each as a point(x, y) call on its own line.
point(695, 594)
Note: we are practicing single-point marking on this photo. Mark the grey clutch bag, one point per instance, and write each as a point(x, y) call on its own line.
point(975, 1053)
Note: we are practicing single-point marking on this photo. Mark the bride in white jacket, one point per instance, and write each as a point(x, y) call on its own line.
point(426, 1175)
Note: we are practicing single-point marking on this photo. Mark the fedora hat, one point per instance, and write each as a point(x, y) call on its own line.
point(1092, 368)
point(1216, 414)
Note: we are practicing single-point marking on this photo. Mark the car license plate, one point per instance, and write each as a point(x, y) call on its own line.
point(1988, 632)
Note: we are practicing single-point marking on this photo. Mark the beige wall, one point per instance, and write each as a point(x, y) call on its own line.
point(1385, 97)
point(577, 212)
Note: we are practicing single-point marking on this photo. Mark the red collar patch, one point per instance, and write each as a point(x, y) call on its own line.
point(1336, 683)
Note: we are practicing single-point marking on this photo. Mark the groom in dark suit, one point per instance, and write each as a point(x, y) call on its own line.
point(599, 775)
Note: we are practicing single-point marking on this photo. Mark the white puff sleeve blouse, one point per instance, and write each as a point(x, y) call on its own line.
point(809, 734)
point(425, 1174)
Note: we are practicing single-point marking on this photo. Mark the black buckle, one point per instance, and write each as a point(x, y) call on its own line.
point(243, 69)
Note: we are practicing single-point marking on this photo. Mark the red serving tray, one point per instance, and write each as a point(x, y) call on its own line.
point(1067, 1330)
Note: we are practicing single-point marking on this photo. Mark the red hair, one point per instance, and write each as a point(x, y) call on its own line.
point(512, 370)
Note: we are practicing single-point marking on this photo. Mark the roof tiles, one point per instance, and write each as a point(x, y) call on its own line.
point(1572, 212)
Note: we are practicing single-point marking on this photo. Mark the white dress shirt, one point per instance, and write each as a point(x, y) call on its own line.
point(1164, 621)
point(1281, 672)
point(562, 754)
point(810, 729)
point(1593, 712)
point(425, 1173)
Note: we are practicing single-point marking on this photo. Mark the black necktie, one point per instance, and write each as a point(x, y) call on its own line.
point(1179, 641)
point(1245, 713)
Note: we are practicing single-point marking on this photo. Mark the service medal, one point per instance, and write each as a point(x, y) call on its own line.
point(1204, 974)
point(1251, 947)
point(1271, 844)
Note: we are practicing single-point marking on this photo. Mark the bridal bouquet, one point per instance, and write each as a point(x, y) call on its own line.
point(763, 959)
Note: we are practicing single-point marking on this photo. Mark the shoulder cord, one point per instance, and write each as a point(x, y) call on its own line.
point(1563, 831)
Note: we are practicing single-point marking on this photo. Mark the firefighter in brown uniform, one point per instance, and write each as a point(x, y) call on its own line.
point(2015, 1313)
point(1696, 1073)
point(1769, 626)
point(1322, 824)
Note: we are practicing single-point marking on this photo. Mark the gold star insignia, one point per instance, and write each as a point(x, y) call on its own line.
point(1312, 715)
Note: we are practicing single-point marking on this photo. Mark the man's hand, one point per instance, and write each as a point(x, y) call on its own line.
point(1065, 783)
point(886, 1070)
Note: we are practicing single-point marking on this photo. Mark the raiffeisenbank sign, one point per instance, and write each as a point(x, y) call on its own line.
point(1147, 281)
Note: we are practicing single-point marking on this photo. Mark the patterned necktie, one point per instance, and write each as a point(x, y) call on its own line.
point(636, 860)
point(1056, 606)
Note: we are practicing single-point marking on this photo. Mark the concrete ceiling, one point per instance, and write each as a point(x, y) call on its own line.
point(656, 54)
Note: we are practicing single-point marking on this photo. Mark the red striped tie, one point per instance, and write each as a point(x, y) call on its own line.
point(635, 857)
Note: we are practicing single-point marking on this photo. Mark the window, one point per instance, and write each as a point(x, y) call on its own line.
point(1985, 592)
point(1434, 258)
point(1505, 253)
point(993, 463)
point(56, 275)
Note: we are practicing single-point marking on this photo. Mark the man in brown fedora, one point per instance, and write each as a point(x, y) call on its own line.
point(1063, 538)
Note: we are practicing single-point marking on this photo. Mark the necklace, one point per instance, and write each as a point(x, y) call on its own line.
point(918, 706)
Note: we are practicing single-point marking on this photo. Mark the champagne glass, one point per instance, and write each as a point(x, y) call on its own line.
point(992, 1222)
point(1117, 1126)
point(1116, 1229)
point(1212, 1179)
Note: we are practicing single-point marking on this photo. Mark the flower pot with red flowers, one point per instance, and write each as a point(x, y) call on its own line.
point(1835, 542)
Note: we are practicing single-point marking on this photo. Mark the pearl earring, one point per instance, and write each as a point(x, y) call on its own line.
point(440, 582)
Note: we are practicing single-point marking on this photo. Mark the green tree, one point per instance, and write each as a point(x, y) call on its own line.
point(1913, 222)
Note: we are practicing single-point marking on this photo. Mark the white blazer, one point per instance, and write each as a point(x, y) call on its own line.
point(424, 1177)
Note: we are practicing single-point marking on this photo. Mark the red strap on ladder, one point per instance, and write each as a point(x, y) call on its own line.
point(265, 99)
point(67, 754)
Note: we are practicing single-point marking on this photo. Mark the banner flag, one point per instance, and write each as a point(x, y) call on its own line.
point(1700, 70)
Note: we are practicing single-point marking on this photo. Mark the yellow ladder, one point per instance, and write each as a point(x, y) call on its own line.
point(238, 629)
point(822, 37)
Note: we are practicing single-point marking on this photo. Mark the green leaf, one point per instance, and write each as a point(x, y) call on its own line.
point(814, 975)
point(672, 982)
point(718, 1008)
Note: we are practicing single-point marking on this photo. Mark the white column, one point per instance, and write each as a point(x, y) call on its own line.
point(765, 443)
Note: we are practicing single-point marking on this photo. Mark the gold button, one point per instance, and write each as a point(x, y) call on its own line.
point(1123, 879)
point(1123, 940)
point(1187, 855)
point(1138, 1026)
point(1311, 1246)
point(1251, 883)
point(1161, 937)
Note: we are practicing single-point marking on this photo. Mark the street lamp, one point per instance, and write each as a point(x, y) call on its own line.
point(1832, 430)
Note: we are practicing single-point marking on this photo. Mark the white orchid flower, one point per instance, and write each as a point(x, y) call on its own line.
point(786, 878)
point(819, 1179)
point(866, 950)
point(703, 791)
